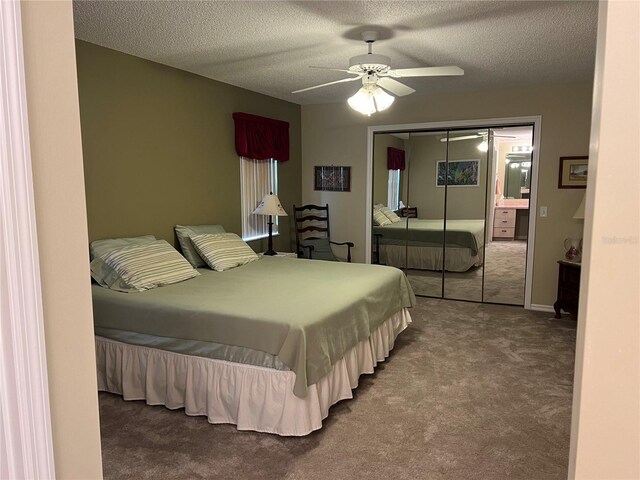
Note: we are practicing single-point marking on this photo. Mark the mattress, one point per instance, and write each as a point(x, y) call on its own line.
point(305, 313)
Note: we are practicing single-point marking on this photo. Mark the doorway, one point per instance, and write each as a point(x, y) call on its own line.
point(462, 195)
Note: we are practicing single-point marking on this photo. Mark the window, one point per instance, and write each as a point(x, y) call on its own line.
point(393, 192)
point(257, 179)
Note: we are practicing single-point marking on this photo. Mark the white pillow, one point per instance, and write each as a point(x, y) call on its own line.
point(390, 214)
point(380, 218)
point(150, 265)
point(223, 251)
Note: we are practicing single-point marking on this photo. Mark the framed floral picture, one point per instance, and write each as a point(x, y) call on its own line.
point(332, 179)
point(573, 172)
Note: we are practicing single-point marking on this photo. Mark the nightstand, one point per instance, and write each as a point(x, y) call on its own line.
point(568, 288)
point(409, 212)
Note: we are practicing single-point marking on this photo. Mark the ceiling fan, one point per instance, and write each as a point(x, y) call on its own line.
point(377, 76)
point(482, 146)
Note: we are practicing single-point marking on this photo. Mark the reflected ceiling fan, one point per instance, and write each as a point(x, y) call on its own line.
point(377, 76)
point(482, 146)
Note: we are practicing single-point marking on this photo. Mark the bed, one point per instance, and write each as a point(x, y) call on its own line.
point(268, 346)
point(421, 244)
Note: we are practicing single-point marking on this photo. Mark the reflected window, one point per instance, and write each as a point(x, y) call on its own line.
point(393, 192)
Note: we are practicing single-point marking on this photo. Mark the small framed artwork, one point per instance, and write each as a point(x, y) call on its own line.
point(573, 172)
point(332, 179)
point(462, 173)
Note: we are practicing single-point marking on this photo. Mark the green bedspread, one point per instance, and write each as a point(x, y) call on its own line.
point(308, 313)
point(460, 233)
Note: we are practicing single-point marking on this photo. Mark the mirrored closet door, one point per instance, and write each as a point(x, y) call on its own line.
point(451, 210)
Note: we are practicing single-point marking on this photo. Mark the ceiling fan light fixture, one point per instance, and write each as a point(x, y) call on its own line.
point(370, 99)
point(483, 146)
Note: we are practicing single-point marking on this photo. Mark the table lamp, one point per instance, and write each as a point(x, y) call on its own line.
point(270, 205)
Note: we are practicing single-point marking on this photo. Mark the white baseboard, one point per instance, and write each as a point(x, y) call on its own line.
point(542, 308)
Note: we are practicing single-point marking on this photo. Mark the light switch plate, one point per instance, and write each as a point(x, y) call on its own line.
point(543, 211)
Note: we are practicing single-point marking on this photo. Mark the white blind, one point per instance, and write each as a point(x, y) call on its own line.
point(393, 192)
point(257, 179)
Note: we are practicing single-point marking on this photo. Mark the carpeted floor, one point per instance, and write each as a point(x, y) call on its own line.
point(470, 392)
point(504, 277)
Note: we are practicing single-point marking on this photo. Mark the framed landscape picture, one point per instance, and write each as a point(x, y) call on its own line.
point(573, 172)
point(332, 179)
point(462, 173)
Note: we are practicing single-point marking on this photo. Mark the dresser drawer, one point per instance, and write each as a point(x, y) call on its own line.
point(504, 213)
point(506, 232)
point(501, 222)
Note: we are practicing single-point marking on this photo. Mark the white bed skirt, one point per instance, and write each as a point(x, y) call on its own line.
point(458, 259)
point(252, 398)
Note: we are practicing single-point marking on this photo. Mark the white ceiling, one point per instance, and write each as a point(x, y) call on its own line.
point(267, 46)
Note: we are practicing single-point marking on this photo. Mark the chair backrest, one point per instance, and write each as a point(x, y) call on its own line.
point(311, 223)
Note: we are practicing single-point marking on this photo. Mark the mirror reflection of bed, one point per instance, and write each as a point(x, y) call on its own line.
point(473, 220)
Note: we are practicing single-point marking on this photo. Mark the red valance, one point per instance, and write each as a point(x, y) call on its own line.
point(395, 158)
point(261, 138)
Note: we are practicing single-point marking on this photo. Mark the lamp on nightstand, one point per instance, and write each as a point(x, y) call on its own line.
point(271, 206)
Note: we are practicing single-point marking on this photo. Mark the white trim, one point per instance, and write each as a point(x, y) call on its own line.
point(542, 308)
point(25, 432)
point(536, 120)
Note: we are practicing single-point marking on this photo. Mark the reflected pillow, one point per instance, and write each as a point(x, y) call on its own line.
point(380, 218)
point(149, 265)
point(184, 233)
point(223, 251)
point(390, 214)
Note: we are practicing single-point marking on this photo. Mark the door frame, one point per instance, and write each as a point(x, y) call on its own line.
point(536, 120)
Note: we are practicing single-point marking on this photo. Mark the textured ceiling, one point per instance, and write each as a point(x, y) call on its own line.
point(267, 46)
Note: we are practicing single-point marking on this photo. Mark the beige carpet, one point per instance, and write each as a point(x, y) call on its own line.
point(470, 392)
point(504, 277)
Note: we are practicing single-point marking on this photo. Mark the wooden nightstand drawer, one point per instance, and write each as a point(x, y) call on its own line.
point(505, 222)
point(507, 232)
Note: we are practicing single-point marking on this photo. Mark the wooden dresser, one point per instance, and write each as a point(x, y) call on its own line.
point(504, 223)
point(410, 212)
point(568, 288)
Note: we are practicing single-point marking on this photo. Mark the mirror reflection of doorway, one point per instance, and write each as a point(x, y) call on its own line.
point(461, 204)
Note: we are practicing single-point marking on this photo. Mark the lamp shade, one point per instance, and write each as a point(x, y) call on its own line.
point(580, 210)
point(370, 99)
point(270, 205)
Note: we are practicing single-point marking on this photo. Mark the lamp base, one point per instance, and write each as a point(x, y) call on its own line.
point(271, 253)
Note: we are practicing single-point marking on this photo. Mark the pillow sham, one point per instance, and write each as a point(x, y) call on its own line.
point(380, 218)
point(99, 248)
point(223, 251)
point(184, 233)
point(106, 276)
point(150, 265)
point(390, 214)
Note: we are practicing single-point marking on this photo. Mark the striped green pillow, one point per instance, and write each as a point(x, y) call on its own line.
point(390, 214)
point(223, 251)
point(151, 265)
point(380, 218)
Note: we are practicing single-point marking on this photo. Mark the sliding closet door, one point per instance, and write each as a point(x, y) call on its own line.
point(462, 175)
point(424, 213)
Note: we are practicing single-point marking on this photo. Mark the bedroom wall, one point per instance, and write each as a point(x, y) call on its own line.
point(56, 158)
point(462, 202)
point(159, 148)
point(336, 134)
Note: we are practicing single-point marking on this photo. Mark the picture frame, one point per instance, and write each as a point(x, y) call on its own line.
point(462, 173)
point(573, 172)
point(332, 178)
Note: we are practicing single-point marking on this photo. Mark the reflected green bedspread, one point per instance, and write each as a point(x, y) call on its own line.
point(308, 313)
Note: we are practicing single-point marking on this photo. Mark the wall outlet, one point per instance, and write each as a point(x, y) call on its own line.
point(543, 211)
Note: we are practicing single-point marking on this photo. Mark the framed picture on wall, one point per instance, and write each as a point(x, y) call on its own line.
point(462, 173)
point(573, 172)
point(332, 179)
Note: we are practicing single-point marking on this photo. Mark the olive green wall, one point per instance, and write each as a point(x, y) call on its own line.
point(158, 147)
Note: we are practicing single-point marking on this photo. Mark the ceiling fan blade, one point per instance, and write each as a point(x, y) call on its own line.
point(425, 72)
point(335, 69)
point(327, 84)
point(394, 86)
point(504, 136)
point(465, 137)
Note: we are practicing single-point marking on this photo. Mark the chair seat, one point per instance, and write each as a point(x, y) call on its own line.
point(321, 249)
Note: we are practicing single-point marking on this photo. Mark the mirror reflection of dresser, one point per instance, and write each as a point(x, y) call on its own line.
point(511, 222)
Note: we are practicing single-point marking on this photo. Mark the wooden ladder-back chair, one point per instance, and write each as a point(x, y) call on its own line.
point(313, 236)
